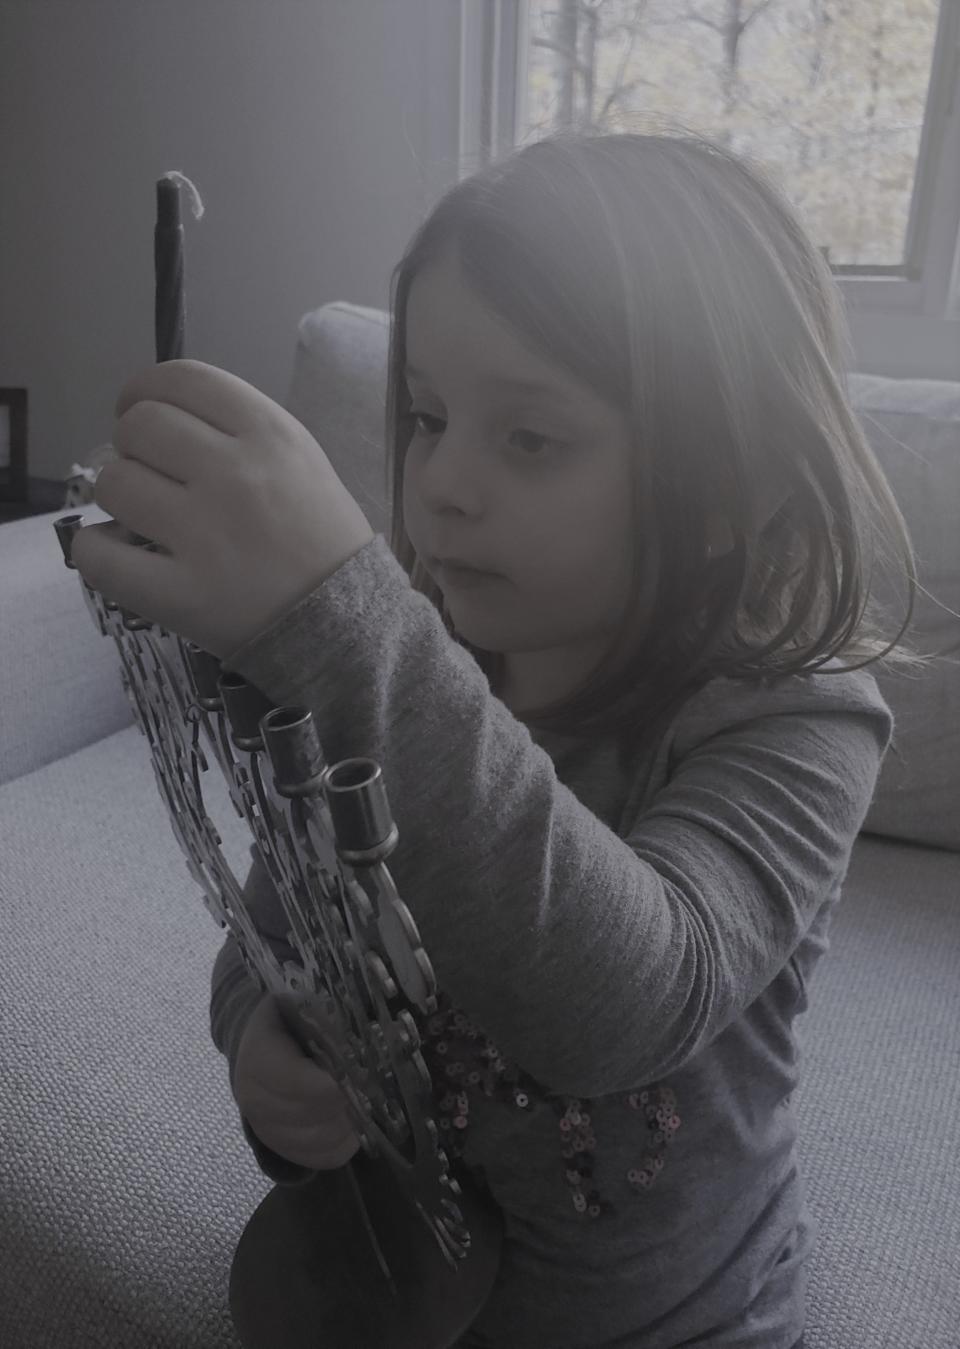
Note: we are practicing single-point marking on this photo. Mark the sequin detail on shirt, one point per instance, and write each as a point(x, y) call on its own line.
point(463, 1059)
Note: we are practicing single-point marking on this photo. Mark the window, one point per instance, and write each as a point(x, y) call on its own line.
point(851, 104)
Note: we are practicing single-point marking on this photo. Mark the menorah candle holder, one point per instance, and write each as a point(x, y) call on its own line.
point(354, 998)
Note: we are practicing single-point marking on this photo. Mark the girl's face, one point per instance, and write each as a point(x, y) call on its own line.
point(517, 469)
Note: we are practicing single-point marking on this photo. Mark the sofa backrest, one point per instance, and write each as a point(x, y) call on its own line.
point(338, 391)
point(913, 426)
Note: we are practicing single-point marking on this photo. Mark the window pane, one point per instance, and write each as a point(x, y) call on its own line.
point(828, 94)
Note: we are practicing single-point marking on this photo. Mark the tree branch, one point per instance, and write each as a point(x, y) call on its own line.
point(575, 62)
point(764, 4)
point(619, 89)
point(696, 17)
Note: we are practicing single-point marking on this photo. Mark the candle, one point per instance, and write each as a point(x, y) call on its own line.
point(168, 311)
point(168, 272)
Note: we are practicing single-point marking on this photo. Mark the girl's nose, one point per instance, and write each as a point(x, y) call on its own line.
point(452, 472)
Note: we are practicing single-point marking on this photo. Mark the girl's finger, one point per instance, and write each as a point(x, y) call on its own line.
point(326, 1110)
point(308, 1147)
point(298, 1081)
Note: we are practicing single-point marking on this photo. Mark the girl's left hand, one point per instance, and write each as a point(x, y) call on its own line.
point(245, 505)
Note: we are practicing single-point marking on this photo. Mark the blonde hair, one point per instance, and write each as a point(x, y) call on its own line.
point(673, 278)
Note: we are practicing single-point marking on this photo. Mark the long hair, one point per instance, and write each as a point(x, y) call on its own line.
point(674, 279)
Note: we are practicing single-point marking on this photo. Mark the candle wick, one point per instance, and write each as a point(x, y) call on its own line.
point(196, 205)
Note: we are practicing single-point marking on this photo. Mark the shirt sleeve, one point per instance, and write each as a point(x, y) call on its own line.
point(595, 962)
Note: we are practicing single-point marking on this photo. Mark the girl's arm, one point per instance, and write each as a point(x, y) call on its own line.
point(596, 960)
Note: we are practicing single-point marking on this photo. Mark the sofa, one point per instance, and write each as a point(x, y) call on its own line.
point(125, 1182)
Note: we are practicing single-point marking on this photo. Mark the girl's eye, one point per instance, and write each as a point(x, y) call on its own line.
point(420, 420)
point(424, 423)
point(544, 441)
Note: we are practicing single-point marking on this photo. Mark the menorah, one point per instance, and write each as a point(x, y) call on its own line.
point(354, 999)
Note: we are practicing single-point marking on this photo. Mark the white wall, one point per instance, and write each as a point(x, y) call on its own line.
point(317, 132)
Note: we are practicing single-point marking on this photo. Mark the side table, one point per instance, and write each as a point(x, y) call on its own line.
point(43, 495)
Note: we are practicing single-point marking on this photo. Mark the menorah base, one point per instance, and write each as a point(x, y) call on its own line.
point(304, 1275)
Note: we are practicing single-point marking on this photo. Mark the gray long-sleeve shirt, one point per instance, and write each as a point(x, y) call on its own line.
point(623, 940)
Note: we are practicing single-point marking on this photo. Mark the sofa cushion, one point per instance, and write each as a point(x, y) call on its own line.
point(913, 426)
point(125, 1181)
point(60, 686)
point(878, 1105)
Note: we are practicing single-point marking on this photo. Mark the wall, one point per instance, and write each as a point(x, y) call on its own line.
point(318, 133)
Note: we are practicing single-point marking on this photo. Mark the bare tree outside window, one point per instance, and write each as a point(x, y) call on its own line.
point(828, 94)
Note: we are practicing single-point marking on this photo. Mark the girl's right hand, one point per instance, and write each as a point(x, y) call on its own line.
point(293, 1106)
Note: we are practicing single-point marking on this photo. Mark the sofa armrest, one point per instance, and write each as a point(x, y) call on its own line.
point(60, 684)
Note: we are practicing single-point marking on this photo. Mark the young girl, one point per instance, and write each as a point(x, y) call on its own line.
point(629, 752)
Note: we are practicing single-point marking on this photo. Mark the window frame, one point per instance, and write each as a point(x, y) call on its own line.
point(906, 319)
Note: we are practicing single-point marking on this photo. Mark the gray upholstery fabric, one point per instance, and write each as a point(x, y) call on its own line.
point(913, 426)
point(878, 1108)
point(338, 391)
point(124, 1180)
point(51, 702)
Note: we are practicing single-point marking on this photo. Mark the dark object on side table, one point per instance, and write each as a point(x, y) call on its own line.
point(40, 496)
point(13, 445)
